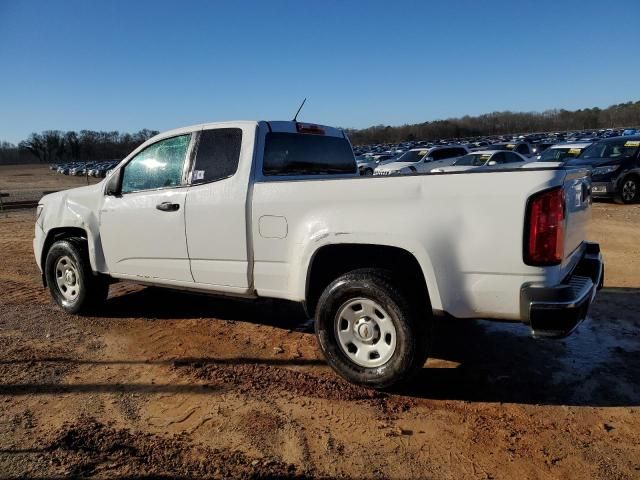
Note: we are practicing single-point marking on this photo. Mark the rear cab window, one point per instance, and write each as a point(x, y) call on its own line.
point(301, 153)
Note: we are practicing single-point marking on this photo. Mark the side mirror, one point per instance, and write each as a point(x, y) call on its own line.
point(427, 159)
point(114, 183)
point(492, 162)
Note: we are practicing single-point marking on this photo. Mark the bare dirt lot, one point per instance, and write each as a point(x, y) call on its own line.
point(172, 384)
point(27, 182)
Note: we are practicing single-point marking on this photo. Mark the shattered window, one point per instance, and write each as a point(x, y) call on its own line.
point(157, 166)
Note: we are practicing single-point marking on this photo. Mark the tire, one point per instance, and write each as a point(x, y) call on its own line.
point(344, 312)
point(368, 172)
point(72, 284)
point(629, 190)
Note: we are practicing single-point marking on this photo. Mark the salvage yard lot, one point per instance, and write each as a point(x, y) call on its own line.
point(171, 383)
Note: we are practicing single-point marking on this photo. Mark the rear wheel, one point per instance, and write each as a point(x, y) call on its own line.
point(72, 284)
point(629, 190)
point(369, 331)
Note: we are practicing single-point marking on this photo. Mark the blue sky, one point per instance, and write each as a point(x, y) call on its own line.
point(127, 65)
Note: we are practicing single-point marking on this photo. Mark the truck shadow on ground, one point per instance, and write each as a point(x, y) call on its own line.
point(166, 304)
point(470, 360)
point(598, 365)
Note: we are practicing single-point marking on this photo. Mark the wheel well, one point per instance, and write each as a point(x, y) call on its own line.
point(331, 261)
point(53, 236)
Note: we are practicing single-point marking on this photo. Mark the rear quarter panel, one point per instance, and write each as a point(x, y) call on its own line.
point(466, 231)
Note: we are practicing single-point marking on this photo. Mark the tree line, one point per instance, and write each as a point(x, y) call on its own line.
point(502, 123)
point(53, 146)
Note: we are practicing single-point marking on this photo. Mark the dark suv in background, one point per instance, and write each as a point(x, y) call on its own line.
point(615, 168)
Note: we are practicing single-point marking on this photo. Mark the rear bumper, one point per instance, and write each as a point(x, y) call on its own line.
point(556, 311)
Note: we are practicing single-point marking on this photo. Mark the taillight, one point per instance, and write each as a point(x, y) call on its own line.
point(309, 128)
point(544, 242)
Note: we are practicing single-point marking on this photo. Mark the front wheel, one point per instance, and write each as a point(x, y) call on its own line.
point(629, 191)
point(72, 284)
point(369, 331)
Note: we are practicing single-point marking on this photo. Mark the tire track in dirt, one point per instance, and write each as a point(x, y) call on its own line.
point(20, 293)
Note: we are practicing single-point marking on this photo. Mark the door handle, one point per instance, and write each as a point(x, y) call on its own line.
point(168, 206)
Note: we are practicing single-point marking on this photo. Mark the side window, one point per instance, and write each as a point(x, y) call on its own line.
point(438, 154)
point(157, 166)
point(512, 158)
point(459, 152)
point(523, 149)
point(500, 157)
point(218, 155)
point(448, 153)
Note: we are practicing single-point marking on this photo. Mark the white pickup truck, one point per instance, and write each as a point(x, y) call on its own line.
point(277, 209)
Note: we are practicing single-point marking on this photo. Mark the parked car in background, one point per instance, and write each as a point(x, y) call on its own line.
point(484, 158)
point(366, 165)
point(615, 168)
point(562, 152)
point(539, 147)
point(417, 159)
point(523, 148)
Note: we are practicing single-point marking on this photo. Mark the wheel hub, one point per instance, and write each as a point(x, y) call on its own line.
point(365, 329)
point(66, 273)
point(70, 277)
point(365, 332)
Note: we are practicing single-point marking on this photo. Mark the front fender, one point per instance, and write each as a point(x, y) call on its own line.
point(76, 209)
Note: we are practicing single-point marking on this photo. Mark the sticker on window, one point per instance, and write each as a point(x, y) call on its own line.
point(632, 143)
point(422, 153)
point(485, 157)
point(511, 145)
point(197, 175)
point(574, 151)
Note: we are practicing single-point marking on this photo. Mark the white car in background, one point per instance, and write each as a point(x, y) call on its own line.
point(484, 158)
point(368, 163)
point(417, 160)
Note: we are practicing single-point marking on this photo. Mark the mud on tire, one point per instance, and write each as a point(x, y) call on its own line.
point(370, 301)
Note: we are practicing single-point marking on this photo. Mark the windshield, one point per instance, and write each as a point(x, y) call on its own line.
point(412, 156)
point(612, 149)
point(473, 159)
point(560, 154)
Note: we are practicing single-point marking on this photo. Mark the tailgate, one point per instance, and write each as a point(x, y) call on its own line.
point(577, 187)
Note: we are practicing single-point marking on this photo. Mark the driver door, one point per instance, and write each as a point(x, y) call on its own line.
point(142, 228)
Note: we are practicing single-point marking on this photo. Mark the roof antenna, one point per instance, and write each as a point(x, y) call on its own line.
point(301, 105)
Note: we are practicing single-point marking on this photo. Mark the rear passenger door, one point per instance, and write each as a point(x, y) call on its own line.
point(216, 208)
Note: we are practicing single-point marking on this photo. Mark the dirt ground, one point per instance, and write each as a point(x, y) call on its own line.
point(27, 182)
point(172, 384)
